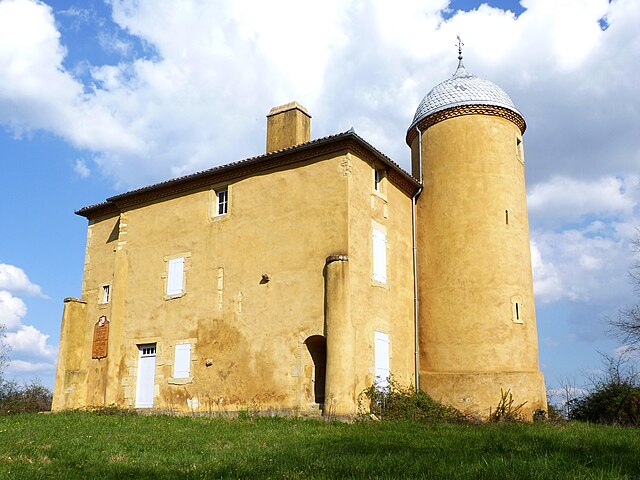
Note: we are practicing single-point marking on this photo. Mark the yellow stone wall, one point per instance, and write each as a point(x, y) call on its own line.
point(70, 382)
point(473, 267)
point(287, 125)
point(387, 308)
point(291, 263)
point(247, 334)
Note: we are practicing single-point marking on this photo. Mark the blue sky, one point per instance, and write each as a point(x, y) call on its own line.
point(100, 97)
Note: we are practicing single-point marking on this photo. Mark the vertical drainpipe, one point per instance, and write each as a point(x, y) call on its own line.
point(415, 261)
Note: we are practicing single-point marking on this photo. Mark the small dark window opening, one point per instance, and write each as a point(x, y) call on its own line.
point(317, 346)
point(517, 311)
point(105, 293)
point(377, 180)
point(506, 216)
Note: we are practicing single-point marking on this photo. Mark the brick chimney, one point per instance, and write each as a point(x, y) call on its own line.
point(287, 125)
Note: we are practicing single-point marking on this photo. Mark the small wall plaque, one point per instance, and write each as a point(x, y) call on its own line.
point(100, 338)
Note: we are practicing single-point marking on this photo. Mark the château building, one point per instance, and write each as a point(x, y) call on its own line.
point(292, 280)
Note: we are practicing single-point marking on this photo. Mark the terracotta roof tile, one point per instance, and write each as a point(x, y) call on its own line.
point(350, 134)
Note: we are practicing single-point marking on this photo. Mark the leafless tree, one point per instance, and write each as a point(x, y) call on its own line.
point(626, 326)
point(4, 353)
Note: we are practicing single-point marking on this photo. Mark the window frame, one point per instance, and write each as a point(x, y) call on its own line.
point(104, 295)
point(519, 149)
point(175, 277)
point(182, 355)
point(379, 182)
point(378, 175)
point(378, 339)
point(184, 361)
point(517, 310)
point(219, 206)
point(169, 282)
point(222, 202)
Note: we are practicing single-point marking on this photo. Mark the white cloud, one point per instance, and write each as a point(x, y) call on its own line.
point(627, 352)
point(563, 199)
point(111, 42)
point(559, 396)
point(12, 310)
point(13, 279)
point(17, 367)
point(30, 341)
point(546, 278)
point(37, 93)
point(25, 342)
point(581, 240)
point(581, 266)
point(218, 67)
point(81, 168)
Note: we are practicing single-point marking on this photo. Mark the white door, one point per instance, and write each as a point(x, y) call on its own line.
point(381, 353)
point(146, 376)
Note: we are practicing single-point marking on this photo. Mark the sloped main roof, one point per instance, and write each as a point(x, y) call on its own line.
point(348, 140)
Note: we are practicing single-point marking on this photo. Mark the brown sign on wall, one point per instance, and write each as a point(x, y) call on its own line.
point(100, 338)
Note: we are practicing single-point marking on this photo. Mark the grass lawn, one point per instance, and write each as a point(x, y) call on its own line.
point(88, 446)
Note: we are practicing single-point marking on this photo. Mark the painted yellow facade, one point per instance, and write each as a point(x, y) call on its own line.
point(286, 282)
point(477, 327)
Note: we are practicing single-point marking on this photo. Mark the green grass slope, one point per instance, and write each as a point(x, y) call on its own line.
point(91, 446)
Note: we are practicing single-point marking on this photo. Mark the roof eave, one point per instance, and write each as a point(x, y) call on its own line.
point(192, 181)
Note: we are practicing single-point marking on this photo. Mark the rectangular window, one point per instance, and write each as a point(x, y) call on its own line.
point(104, 294)
point(182, 361)
point(379, 256)
point(222, 202)
point(377, 180)
point(175, 278)
point(381, 352)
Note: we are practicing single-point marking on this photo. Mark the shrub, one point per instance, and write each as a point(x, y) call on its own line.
point(612, 403)
point(614, 398)
point(540, 416)
point(397, 402)
point(554, 414)
point(507, 410)
point(28, 398)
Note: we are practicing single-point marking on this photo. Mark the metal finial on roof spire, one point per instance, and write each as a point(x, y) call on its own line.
point(460, 45)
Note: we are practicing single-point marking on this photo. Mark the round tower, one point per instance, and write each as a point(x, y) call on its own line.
point(476, 316)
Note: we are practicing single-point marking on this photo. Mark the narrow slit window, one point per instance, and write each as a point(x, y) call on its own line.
point(519, 149)
point(516, 310)
point(222, 202)
point(506, 216)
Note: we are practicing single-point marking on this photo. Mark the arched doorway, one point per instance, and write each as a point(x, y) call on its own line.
point(317, 346)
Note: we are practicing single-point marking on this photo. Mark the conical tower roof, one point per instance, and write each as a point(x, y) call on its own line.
point(463, 88)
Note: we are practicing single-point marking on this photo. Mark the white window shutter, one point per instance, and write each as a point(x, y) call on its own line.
point(381, 352)
point(182, 361)
point(176, 276)
point(379, 256)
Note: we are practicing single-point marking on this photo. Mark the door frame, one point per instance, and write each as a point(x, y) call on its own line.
point(146, 350)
